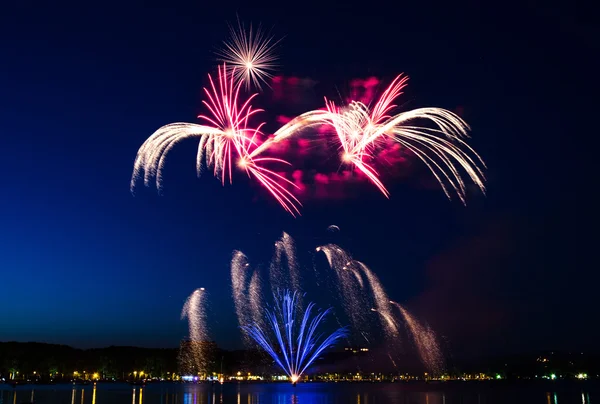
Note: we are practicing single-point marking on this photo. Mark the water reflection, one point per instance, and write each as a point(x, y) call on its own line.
point(274, 393)
point(133, 395)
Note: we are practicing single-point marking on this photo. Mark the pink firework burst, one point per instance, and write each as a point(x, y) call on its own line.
point(231, 117)
point(363, 131)
point(227, 138)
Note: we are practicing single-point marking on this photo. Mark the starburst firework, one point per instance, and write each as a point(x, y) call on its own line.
point(249, 55)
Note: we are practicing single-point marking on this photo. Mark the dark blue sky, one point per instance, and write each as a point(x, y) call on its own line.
point(81, 87)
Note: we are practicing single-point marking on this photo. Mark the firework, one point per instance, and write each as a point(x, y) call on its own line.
point(226, 138)
point(362, 132)
point(255, 298)
point(249, 55)
point(361, 292)
point(350, 287)
point(355, 286)
point(284, 256)
point(194, 311)
point(239, 276)
point(381, 302)
point(425, 340)
point(291, 341)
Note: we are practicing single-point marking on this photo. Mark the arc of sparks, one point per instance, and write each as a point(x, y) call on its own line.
point(362, 131)
point(227, 136)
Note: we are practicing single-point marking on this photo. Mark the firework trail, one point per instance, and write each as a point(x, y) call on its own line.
point(362, 132)
point(352, 277)
point(381, 300)
point(291, 337)
point(226, 139)
point(249, 55)
point(194, 310)
point(350, 285)
point(255, 298)
point(280, 280)
point(247, 289)
point(239, 276)
point(425, 340)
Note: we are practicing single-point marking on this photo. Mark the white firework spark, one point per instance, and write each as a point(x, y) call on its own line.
point(249, 55)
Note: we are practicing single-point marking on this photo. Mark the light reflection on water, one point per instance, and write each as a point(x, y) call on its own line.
point(279, 393)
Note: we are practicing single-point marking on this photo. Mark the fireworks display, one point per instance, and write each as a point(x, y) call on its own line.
point(292, 337)
point(362, 294)
point(228, 139)
point(365, 132)
point(370, 312)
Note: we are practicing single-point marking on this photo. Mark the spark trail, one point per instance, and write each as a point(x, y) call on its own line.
point(361, 291)
point(425, 341)
point(255, 298)
point(195, 312)
point(292, 337)
point(350, 286)
point(284, 257)
point(239, 275)
point(246, 284)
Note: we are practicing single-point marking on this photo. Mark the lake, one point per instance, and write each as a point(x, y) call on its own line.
point(303, 393)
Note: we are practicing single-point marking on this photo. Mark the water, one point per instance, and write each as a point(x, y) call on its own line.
point(305, 393)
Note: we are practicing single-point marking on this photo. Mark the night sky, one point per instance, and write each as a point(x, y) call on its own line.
point(85, 263)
